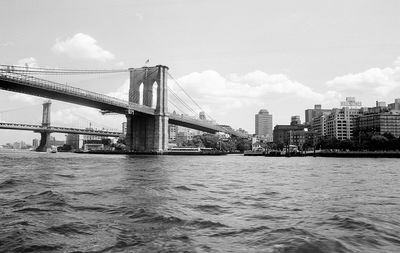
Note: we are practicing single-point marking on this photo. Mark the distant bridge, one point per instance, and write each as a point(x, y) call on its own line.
point(53, 129)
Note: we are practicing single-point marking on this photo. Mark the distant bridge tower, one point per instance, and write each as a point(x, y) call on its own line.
point(45, 136)
point(148, 133)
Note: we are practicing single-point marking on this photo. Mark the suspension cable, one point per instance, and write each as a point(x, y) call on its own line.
point(180, 100)
point(40, 70)
point(201, 109)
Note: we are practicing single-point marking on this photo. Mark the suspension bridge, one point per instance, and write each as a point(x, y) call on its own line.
point(146, 109)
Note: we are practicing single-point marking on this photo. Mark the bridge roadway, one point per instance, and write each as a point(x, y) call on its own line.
point(52, 129)
point(22, 83)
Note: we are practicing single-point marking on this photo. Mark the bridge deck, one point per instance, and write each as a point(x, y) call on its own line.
point(18, 82)
point(52, 129)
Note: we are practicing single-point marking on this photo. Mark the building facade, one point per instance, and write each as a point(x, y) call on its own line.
point(340, 123)
point(380, 120)
point(282, 133)
point(311, 114)
point(263, 123)
point(172, 133)
point(74, 141)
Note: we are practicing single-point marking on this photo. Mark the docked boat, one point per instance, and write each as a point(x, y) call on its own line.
point(53, 149)
point(193, 151)
point(255, 152)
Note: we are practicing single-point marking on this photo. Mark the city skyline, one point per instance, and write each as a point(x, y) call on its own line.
point(285, 57)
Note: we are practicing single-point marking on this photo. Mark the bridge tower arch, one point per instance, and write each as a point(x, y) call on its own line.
point(148, 133)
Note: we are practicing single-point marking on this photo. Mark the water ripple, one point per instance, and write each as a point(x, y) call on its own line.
point(83, 203)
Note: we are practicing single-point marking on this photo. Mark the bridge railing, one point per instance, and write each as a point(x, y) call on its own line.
point(7, 74)
point(50, 85)
point(5, 124)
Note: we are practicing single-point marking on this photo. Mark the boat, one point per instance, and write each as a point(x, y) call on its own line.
point(53, 149)
point(194, 151)
point(255, 152)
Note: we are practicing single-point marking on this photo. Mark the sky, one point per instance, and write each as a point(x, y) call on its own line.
point(233, 57)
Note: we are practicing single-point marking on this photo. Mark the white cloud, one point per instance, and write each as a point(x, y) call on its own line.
point(6, 44)
point(372, 82)
point(139, 16)
point(82, 46)
point(20, 97)
point(30, 61)
point(122, 92)
point(397, 62)
point(236, 91)
point(234, 99)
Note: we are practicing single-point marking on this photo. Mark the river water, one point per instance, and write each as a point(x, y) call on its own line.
point(68, 202)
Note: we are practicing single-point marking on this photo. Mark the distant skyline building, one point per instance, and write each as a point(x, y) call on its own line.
point(381, 120)
point(202, 115)
point(311, 114)
point(124, 128)
point(263, 123)
point(172, 132)
point(340, 123)
point(74, 141)
point(295, 120)
point(35, 143)
point(337, 123)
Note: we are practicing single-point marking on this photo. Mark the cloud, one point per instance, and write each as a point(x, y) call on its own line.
point(397, 62)
point(82, 46)
point(139, 16)
point(30, 61)
point(374, 81)
point(6, 44)
point(122, 92)
point(235, 98)
point(242, 90)
point(25, 98)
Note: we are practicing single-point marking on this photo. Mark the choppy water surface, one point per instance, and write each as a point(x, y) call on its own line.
point(97, 203)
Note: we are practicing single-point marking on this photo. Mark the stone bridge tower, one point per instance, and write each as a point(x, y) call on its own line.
point(148, 133)
point(45, 136)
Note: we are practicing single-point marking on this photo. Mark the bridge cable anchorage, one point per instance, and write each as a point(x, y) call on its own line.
point(201, 109)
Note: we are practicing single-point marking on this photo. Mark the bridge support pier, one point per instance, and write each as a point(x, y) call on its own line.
point(44, 142)
point(45, 136)
point(148, 133)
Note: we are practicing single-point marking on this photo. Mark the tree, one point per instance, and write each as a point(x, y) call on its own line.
point(379, 142)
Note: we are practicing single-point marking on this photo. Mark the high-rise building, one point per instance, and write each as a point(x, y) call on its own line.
point(124, 128)
point(35, 143)
point(311, 114)
point(395, 105)
point(172, 132)
point(74, 141)
point(339, 124)
point(263, 123)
